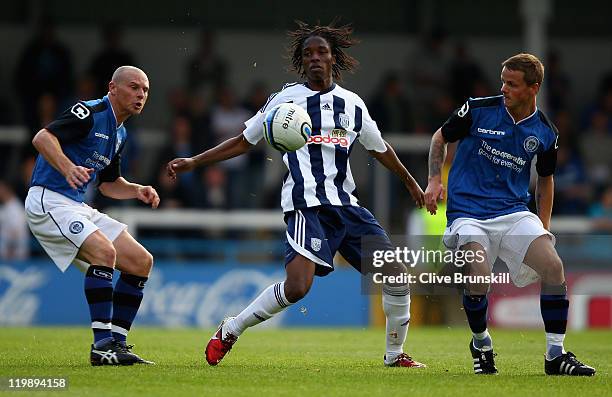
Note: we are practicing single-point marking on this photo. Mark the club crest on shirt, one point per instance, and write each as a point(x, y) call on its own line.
point(76, 227)
point(117, 144)
point(531, 144)
point(315, 244)
point(344, 120)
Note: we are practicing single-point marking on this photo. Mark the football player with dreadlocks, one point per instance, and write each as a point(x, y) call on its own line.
point(322, 213)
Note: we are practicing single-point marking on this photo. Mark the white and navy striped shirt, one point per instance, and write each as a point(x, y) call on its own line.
point(320, 173)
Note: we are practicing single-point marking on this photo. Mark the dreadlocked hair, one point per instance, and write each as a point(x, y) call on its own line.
point(338, 38)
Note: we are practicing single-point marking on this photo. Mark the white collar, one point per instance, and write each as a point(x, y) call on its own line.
point(114, 115)
point(526, 118)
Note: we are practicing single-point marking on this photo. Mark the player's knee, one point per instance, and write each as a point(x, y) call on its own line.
point(553, 273)
point(556, 266)
point(106, 255)
point(295, 291)
point(147, 262)
point(139, 263)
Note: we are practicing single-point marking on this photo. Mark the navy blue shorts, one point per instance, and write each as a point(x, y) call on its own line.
point(317, 233)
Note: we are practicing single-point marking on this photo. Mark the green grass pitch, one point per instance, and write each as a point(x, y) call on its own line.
point(290, 362)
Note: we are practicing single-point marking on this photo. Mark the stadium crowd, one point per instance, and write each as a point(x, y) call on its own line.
point(205, 110)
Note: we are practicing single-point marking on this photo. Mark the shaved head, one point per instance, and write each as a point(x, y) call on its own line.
point(123, 73)
point(128, 91)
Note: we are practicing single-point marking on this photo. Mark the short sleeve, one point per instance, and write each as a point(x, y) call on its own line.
point(458, 124)
point(254, 126)
point(547, 160)
point(72, 125)
point(112, 172)
point(369, 134)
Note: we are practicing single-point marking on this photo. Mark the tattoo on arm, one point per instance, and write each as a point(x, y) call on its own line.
point(437, 153)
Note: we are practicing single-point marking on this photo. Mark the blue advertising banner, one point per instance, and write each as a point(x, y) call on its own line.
point(179, 295)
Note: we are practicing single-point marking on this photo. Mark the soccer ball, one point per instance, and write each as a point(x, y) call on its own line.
point(287, 127)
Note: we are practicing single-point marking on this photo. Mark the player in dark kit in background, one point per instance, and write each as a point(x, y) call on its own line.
point(487, 205)
point(85, 141)
point(322, 214)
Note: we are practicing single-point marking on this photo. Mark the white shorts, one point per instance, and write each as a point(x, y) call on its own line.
point(61, 225)
point(506, 237)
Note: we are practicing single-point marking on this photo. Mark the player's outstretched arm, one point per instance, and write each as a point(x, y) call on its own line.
point(545, 190)
point(389, 159)
point(231, 148)
point(121, 189)
point(49, 147)
point(435, 189)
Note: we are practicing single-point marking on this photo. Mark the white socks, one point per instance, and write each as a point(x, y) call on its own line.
point(396, 305)
point(554, 345)
point(482, 341)
point(271, 301)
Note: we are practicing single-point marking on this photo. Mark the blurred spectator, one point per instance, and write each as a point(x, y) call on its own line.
point(22, 184)
point(595, 144)
point(180, 142)
point(392, 112)
point(255, 100)
point(601, 213)
point(390, 107)
point(47, 109)
point(112, 55)
point(206, 70)
point(185, 193)
point(428, 71)
point(482, 88)
point(572, 192)
point(227, 115)
point(14, 233)
point(215, 194)
point(171, 194)
point(602, 104)
point(179, 101)
point(86, 87)
point(45, 67)
point(558, 87)
point(465, 75)
point(227, 120)
point(568, 137)
point(572, 189)
point(256, 97)
point(199, 113)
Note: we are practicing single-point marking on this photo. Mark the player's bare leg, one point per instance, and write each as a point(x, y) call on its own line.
point(98, 250)
point(475, 304)
point(132, 257)
point(543, 258)
point(274, 299)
